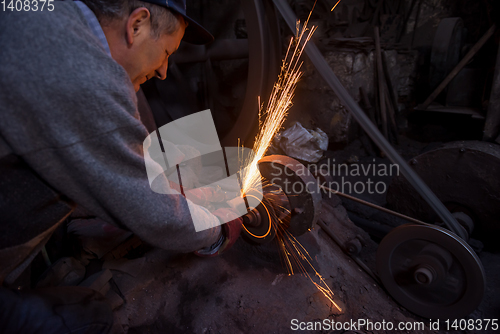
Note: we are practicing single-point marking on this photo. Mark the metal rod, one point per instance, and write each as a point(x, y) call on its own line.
point(324, 69)
point(459, 66)
point(371, 205)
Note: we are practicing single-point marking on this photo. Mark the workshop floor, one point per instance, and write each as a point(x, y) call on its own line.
point(248, 289)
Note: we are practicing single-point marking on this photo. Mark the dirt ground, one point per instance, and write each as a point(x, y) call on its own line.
point(248, 289)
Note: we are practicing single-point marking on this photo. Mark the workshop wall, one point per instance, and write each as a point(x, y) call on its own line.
point(317, 106)
point(345, 36)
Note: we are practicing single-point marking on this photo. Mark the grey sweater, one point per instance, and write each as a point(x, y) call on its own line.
point(69, 111)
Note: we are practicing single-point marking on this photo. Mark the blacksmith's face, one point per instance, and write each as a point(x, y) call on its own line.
point(146, 56)
point(152, 60)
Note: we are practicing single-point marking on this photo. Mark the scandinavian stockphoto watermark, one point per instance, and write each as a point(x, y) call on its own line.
point(185, 155)
point(355, 178)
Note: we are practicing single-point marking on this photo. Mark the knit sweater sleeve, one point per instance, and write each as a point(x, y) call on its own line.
point(69, 111)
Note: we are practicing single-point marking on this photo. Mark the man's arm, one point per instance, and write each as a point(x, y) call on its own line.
point(69, 111)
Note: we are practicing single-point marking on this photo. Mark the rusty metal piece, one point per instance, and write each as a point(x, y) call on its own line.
point(431, 271)
point(300, 187)
point(464, 176)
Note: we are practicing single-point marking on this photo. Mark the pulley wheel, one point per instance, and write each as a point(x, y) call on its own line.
point(431, 271)
point(300, 187)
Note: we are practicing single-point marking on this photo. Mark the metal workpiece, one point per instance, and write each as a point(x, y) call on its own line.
point(300, 187)
point(261, 224)
point(350, 104)
point(431, 271)
point(270, 217)
point(278, 200)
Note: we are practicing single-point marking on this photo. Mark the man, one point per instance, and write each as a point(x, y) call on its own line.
point(70, 133)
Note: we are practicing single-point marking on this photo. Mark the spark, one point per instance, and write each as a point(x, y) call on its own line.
point(335, 5)
point(294, 253)
point(279, 103)
point(274, 116)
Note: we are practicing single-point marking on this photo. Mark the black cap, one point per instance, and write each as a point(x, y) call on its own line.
point(195, 33)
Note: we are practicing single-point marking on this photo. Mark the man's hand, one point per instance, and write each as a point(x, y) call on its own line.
point(230, 232)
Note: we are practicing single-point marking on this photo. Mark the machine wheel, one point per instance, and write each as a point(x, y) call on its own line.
point(464, 176)
point(431, 271)
point(226, 76)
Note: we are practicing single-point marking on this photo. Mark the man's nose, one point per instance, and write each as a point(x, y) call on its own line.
point(161, 72)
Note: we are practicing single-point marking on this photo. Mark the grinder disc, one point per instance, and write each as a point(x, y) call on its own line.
point(300, 187)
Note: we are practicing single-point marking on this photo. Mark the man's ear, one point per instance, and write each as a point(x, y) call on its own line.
point(137, 24)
